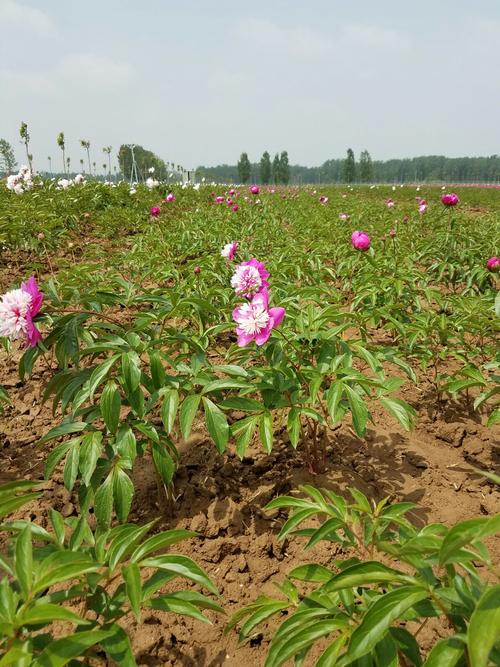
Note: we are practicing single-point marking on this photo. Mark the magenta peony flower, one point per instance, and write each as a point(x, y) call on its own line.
point(235, 207)
point(390, 203)
point(232, 192)
point(249, 278)
point(155, 211)
point(17, 310)
point(343, 217)
point(229, 201)
point(230, 250)
point(323, 199)
point(170, 197)
point(219, 199)
point(450, 199)
point(493, 264)
point(360, 240)
point(256, 320)
point(254, 189)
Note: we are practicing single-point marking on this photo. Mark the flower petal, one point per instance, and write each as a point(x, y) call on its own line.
point(277, 314)
point(244, 338)
point(263, 335)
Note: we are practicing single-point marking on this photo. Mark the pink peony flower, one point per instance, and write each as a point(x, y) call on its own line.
point(493, 264)
point(390, 203)
point(392, 233)
point(155, 211)
point(170, 197)
point(450, 199)
point(235, 207)
point(360, 240)
point(249, 278)
point(343, 217)
point(422, 208)
point(219, 199)
point(229, 250)
point(254, 189)
point(229, 201)
point(256, 320)
point(17, 310)
point(323, 199)
point(197, 269)
point(232, 192)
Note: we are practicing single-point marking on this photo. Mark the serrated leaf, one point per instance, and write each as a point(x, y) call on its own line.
point(379, 618)
point(294, 426)
point(110, 404)
point(90, 451)
point(103, 507)
point(133, 588)
point(164, 463)
point(70, 471)
point(266, 431)
point(169, 409)
point(160, 541)
point(484, 627)
point(187, 414)
point(181, 566)
point(359, 411)
point(400, 410)
point(446, 653)
point(63, 429)
point(61, 651)
point(123, 492)
point(245, 435)
point(47, 613)
point(131, 370)
point(24, 561)
point(217, 424)
point(467, 532)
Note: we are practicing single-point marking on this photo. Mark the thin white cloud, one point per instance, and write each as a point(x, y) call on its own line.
point(297, 41)
point(483, 38)
point(97, 71)
point(374, 37)
point(18, 16)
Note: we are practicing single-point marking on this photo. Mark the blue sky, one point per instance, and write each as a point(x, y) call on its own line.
point(200, 82)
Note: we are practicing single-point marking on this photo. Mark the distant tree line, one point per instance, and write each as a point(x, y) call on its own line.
point(277, 171)
point(427, 168)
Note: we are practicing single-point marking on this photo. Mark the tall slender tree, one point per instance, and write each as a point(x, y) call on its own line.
point(86, 144)
point(265, 168)
point(365, 167)
point(349, 167)
point(244, 168)
point(107, 150)
point(276, 169)
point(284, 168)
point(62, 145)
point(24, 134)
point(7, 159)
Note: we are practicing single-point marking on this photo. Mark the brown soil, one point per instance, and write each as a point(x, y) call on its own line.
point(222, 498)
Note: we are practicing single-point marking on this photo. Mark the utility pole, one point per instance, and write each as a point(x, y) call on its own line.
point(133, 171)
